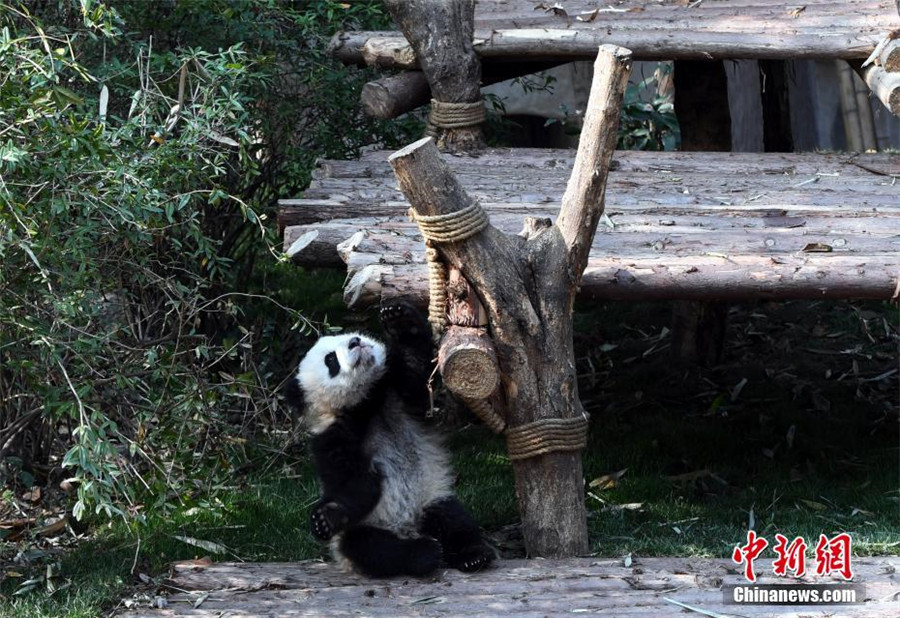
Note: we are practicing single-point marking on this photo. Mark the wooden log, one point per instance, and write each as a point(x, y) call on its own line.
point(570, 44)
point(528, 288)
point(386, 50)
point(393, 96)
point(849, 107)
point(520, 588)
point(706, 278)
point(884, 85)
point(441, 35)
point(890, 54)
point(466, 357)
point(396, 95)
point(468, 363)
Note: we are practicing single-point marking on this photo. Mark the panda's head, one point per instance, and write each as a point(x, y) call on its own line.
point(335, 374)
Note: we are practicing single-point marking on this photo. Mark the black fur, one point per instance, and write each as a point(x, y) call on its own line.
point(459, 535)
point(381, 553)
point(351, 486)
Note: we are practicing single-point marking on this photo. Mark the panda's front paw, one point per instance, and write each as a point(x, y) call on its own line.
point(472, 558)
point(327, 519)
point(401, 320)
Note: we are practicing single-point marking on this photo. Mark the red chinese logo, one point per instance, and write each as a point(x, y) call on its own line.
point(746, 554)
point(833, 556)
point(790, 557)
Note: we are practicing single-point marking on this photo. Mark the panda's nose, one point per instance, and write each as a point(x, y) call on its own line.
point(353, 343)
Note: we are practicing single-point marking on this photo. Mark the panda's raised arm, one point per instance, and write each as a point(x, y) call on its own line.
point(351, 486)
point(410, 352)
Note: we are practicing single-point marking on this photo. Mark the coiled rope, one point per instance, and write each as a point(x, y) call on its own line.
point(548, 435)
point(445, 115)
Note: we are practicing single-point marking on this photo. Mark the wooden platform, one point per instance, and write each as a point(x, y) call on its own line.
point(679, 225)
point(517, 30)
point(521, 588)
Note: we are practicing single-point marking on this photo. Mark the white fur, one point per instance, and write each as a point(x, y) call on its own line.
point(414, 466)
point(361, 367)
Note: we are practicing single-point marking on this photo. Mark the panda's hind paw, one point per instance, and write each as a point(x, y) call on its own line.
point(473, 558)
point(327, 519)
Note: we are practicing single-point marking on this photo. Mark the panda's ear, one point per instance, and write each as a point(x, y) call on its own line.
point(294, 395)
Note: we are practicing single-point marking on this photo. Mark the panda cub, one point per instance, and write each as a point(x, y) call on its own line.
point(387, 505)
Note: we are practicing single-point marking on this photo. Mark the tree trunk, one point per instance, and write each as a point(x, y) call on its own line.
point(441, 35)
point(528, 286)
point(701, 104)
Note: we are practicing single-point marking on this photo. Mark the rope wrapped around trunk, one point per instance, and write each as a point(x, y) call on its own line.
point(445, 115)
point(548, 435)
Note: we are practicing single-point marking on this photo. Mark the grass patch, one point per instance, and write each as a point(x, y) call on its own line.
point(808, 444)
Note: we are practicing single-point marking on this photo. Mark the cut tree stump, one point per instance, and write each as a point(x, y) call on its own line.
point(521, 588)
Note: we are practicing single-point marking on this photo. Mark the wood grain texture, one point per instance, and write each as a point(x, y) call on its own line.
point(526, 588)
point(670, 30)
point(699, 226)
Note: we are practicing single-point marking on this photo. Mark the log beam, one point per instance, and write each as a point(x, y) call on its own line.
point(393, 96)
point(390, 97)
point(527, 287)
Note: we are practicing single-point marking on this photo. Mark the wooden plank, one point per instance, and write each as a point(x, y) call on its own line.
point(706, 181)
point(516, 587)
point(512, 29)
point(731, 278)
point(680, 225)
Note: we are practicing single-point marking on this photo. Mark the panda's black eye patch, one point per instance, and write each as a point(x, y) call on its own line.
point(331, 361)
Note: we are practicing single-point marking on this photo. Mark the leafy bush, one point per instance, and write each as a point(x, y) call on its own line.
point(649, 124)
point(138, 177)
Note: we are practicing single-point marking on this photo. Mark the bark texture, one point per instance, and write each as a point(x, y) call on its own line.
point(520, 588)
point(527, 287)
point(682, 225)
point(714, 29)
point(393, 96)
point(396, 95)
point(441, 33)
point(884, 85)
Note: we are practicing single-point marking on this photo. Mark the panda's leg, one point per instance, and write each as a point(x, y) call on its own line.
point(450, 523)
point(377, 552)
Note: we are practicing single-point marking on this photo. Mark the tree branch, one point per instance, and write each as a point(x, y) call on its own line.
point(432, 189)
point(582, 203)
